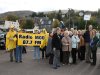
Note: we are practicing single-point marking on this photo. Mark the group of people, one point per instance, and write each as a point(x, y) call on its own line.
point(16, 51)
point(62, 46)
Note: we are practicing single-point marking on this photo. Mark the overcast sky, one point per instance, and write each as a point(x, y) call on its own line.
point(45, 5)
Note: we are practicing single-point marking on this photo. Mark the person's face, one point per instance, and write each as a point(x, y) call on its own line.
point(12, 29)
point(58, 31)
point(51, 34)
point(90, 28)
point(62, 33)
point(36, 31)
point(75, 32)
point(66, 34)
point(72, 30)
point(79, 32)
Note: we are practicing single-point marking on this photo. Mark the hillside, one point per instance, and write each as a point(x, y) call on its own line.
point(17, 13)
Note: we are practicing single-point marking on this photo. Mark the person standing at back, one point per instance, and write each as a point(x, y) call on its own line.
point(87, 38)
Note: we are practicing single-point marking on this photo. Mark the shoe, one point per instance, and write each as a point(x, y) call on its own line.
point(93, 64)
point(16, 61)
point(88, 62)
point(58, 65)
point(20, 61)
point(11, 60)
point(63, 64)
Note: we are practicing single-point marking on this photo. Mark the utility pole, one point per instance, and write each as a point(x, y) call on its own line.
point(69, 16)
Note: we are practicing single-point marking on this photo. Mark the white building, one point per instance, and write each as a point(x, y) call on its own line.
point(8, 23)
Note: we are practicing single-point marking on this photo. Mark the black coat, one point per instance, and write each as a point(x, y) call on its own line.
point(87, 37)
point(56, 41)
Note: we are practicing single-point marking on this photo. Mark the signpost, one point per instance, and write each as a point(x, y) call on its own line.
point(87, 18)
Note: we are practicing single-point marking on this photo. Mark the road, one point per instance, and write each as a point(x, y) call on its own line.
point(41, 67)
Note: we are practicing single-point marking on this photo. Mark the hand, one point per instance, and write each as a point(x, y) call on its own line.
point(67, 44)
point(11, 39)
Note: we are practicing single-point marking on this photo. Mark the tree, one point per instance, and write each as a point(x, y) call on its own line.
point(55, 23)
point(29, 24)
point(34, 14)
point(59, 15)
point(40, 14)
point(22, 22)
point(51, 15)
point(11, 17)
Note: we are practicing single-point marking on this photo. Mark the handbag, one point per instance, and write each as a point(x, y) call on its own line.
point(70, 58)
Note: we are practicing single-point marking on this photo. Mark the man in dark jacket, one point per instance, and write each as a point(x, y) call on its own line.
point(56, 44)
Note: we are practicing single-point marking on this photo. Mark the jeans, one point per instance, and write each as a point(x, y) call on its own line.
point(18, 54)
point(36, 54)
point(56, 59)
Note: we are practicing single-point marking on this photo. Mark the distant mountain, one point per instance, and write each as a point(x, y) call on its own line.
point(17, 13)
point(28, 13)
point(63, 11)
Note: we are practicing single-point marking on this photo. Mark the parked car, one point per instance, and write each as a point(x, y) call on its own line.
point(2, 41)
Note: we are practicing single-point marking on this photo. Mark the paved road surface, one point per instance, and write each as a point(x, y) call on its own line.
point(35, 67)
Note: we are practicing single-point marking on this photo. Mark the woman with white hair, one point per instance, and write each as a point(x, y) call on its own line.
point(75, 41)
point(66, 47)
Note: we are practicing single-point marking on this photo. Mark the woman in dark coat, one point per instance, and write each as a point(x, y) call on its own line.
point(93, 45)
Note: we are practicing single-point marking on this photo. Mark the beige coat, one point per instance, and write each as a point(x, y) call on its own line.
point(66, 40)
